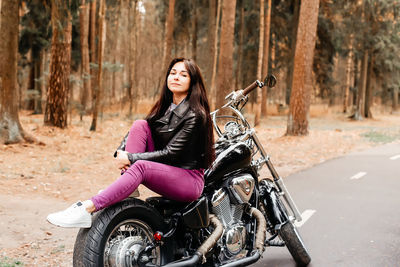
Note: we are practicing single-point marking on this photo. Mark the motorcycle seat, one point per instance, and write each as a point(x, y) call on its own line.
point(166, 204)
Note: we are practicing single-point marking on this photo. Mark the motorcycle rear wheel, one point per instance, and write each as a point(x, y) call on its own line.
point(294, 243)
point(118, 234)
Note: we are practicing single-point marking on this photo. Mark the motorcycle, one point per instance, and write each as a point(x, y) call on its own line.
point(237, 216)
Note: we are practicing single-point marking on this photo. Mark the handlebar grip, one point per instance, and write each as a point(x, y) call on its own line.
point(250, 88)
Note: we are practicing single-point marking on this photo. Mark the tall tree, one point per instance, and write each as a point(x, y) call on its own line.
point(257, 117)
point(58, 90)
point(302, 72)
point(92, 49)
point(98, 92)
point(11, 130)
point(239, 64)
point(169, 30)
point(85, 70)
point(132, 93)
point(215, 57)
point(225, 61)
point(292, 48)
point(267, 27)
point(212, 14)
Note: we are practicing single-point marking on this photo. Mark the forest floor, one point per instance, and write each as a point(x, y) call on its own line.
point(75, 163)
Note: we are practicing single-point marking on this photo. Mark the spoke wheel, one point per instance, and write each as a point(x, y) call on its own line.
point(125, 243)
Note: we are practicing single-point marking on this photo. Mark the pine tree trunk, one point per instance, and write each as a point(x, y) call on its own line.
point(238, 73)
point(395, 103)
point(38, 84)
point(169, 30)
point(100, 49)
point(290, 67)
point(212, 8)
point(132, 93)
point(257, 117)
point(348, 76)
point(225, 62)
point(368, 89)
point(360, 108)
point(194, 35)
point(266, 57)
point(302, 72)
point(58, 90)
point(92, 51)
point(10, 127)
point(85, 70)
point(215, 58)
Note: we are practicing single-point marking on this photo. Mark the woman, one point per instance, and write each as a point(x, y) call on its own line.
point(167, 152)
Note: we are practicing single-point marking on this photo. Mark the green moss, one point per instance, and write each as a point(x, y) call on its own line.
point(7, 262)
point(379, 137)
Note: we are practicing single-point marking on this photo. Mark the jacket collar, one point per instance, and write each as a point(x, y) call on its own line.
point(179, 111)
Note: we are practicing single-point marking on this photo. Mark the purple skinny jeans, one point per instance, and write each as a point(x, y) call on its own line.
point(169, 181)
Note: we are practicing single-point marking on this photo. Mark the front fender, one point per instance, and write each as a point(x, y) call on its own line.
point(274, 209)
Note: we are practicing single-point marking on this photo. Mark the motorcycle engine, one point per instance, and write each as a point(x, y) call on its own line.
point(233, 240)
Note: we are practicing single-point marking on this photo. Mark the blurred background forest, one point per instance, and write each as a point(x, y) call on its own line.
point(87, 57)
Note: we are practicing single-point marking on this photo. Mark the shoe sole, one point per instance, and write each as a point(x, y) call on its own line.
point(66, 225)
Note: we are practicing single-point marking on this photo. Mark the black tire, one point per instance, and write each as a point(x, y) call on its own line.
point(90, 243)
point(294, 243)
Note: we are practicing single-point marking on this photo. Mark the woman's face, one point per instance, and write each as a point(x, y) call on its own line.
point(178, 82)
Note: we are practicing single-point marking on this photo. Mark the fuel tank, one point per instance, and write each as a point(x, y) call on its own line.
point(229, 159)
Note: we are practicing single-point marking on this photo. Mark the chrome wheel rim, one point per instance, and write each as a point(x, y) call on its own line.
point(126, 241)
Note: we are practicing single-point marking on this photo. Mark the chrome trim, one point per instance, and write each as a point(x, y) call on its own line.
point(242, 188)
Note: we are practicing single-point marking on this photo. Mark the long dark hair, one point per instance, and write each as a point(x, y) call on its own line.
point(198, 102)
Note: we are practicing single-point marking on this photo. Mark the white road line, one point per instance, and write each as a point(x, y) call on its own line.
point(358, 175)
point(395, 157)
point(305, 216)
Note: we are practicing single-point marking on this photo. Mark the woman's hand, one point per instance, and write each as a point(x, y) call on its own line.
point(122, 160)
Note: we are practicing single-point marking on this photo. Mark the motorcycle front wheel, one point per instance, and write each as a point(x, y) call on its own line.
point(294, 244)
point(118, 235)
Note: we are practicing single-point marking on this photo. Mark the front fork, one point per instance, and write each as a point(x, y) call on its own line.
point(284, 192)
point(277, 180)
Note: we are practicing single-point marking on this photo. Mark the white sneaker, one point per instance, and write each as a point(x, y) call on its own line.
point(74, 216)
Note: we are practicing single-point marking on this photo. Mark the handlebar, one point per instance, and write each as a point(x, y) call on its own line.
point(252, 86)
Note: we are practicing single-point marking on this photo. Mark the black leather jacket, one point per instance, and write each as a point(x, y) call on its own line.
point(178, 138)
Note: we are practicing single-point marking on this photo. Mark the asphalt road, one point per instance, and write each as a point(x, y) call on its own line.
point(352, 207)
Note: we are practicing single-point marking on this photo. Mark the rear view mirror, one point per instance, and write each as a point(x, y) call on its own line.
point(270, 80)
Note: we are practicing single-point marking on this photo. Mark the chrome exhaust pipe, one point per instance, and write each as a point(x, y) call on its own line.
point(207, 245)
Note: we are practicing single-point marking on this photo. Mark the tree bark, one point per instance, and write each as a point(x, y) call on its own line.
point(58, 90)
point(215, 57)
point(212, 9)
point(100, 51)
point(85, 70)
point(195, 19)
point(132, 93)
point(290, 67)
point(92, 50)
point(238, 71)
point(169, 30)
point(348, 76)
point(11, 130)
point(225, 62)
point(360, 108)
point(257, 117)
point(395, 103)
point(266, 57)
point(369, 88)
point(302, 72)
